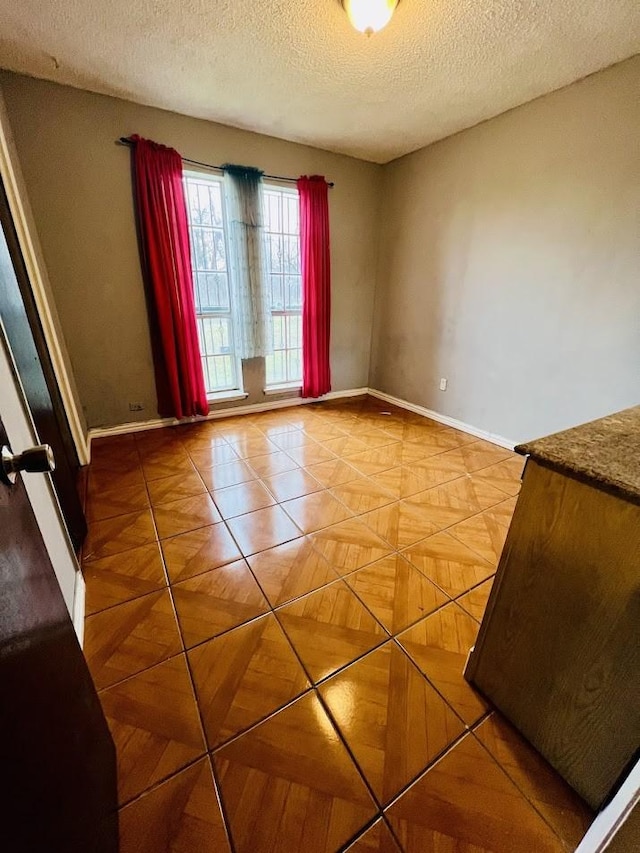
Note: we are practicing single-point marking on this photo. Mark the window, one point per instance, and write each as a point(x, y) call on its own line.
point(282, 227)
point(207, 228)
point(212, 283)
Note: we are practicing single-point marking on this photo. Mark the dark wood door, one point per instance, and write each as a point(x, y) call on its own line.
point(57, 757)
point(26, 338)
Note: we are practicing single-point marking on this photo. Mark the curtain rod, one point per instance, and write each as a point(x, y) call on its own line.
point(124, 140)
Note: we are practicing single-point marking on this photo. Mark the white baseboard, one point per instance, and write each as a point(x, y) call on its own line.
point(254, 408)
point(443, 419)
point(228, 411)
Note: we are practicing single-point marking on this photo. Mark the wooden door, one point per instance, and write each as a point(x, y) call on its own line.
point(56, 752)
point(24, 333)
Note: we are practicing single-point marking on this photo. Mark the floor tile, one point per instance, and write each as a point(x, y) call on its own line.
point(439, 645)
point(291, 438)
point(108, 479)
point(343, 445)
point(243, 498)
point(130, 637)
point(229, 474)
point(216, 601)
point(262, 529)
point(376, 839)
point(107, 503)
point(484, 534)
point(199, 551)
point(372, 438)
point(449, 563)
point(315, 511)
point(503, 512)
point(244, 676)
point(176, 487)
point(431, 440)
point(350, 545)
point(475, 601)
point(289, 784)
point(506, 475)
point(561, 807)
point(396, 592)
point(114, 535)
point(454, 501)
point(329, 629)
point(400, 524)
point(392, 719)
point(121, 577)
point(290, 570)
point(481, 454)
point(155, 726)
point(292, 484)
point(272, 464)
point(333, 473)
point(363, 495)
point(309, 455)
point(166, 464)
point(369, 462)
point(258, 445)
point(176, 517)
point(466, 802)
point(216, 454)
point(118, 448)
point(432, 471)
point(181, 815)
point(324, 431)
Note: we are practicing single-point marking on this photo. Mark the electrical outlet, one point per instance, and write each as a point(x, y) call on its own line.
point(443, 384)
point(136, 407)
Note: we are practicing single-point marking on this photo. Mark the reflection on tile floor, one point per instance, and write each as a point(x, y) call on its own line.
point(280, 607)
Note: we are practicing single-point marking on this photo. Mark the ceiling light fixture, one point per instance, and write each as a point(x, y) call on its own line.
point(369, 16)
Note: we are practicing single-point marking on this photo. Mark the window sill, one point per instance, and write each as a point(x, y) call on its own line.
point(227, 396)
point(282, 389)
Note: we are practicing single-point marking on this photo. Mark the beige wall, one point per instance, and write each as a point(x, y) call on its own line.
point(510, 264)
point(79, 185)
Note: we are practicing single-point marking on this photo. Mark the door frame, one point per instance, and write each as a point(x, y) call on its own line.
point(15, 189)
point(44, 502)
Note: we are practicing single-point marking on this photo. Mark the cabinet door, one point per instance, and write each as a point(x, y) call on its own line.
point(559, 648)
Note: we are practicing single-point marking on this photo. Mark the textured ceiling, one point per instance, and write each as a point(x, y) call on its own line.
point(297, 69)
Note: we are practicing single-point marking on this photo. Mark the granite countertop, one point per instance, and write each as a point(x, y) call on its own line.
point(604, 453)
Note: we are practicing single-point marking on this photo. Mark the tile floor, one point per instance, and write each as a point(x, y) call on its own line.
point(280, 609)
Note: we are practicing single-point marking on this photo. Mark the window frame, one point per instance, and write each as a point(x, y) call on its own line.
point(236, 390)
point(295, 384)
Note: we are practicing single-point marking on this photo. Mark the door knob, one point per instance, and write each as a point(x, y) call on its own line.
point(34, 460)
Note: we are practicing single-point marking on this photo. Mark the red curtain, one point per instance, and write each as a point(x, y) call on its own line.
point(166, 254)
point(316, 285)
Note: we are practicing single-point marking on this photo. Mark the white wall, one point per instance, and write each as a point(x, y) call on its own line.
point(509, 262)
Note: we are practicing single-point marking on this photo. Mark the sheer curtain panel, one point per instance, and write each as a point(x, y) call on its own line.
point(247, 249)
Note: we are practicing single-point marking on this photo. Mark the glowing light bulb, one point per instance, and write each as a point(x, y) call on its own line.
point(370, 16)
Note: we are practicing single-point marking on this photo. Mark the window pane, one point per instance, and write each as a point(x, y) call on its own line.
point(277, 293)
point(294, 364)
point(291, 224)
point(283, 260)
point(293, 292)
point(291, 260)
point(215, 203)
point(204, 205)
point(212, 292)
point(279, 333)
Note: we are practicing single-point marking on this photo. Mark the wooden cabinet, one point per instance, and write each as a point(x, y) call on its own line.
point(559, 648)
